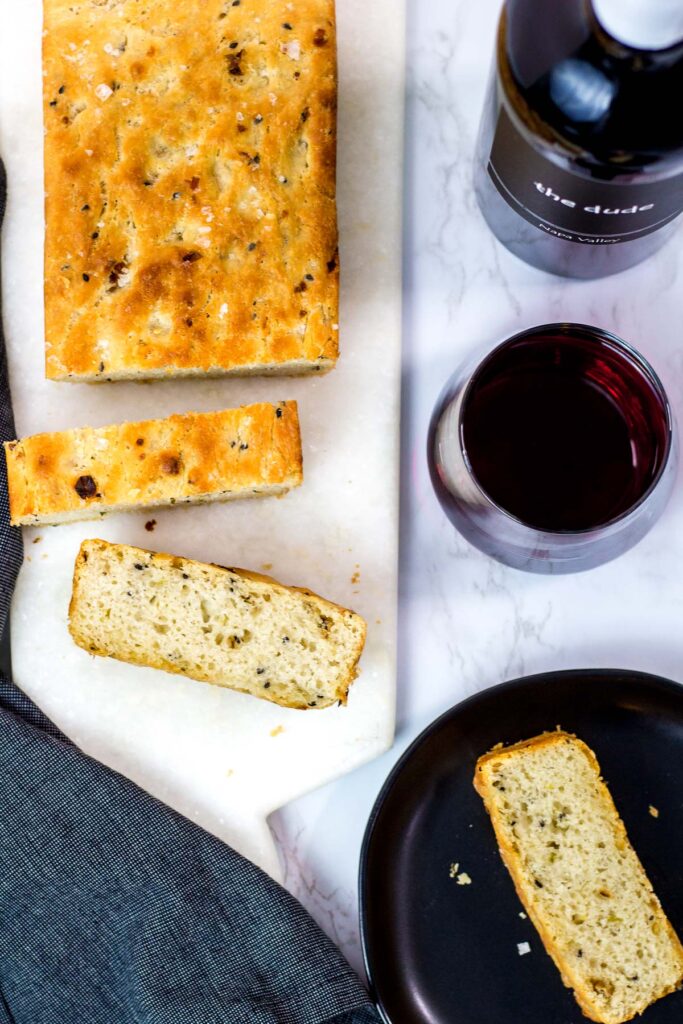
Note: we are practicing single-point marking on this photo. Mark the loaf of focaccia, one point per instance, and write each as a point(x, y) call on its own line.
point(190, 188)
point(190, 458)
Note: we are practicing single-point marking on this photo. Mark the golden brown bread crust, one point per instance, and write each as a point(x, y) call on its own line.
point(190, 154)
point(81, 474)
point(151, 659)
point(512, 860)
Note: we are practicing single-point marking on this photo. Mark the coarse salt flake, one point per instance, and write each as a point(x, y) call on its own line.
point(223, 310)
point(292, 49)
point(239, 115)
point(523, 948)
point(335, 327)
point(103, 92)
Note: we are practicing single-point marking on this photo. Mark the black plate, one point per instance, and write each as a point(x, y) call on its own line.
point(440, 953)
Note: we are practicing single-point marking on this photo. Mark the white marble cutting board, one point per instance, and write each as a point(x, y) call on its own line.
point(224, 759)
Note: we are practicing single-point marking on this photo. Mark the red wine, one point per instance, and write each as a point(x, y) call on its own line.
point(557, 453)
point(579, 167)
point(562, 434)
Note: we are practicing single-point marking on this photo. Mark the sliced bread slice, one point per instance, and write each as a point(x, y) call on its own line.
point(578, 876)
point(224, 626)
point(195, 457)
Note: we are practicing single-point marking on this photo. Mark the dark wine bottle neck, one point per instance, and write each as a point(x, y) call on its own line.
point(572, 83)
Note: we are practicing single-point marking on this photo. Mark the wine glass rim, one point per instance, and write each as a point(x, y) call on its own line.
point(623, 347)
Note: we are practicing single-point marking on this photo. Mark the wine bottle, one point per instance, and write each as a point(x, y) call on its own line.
point(579, 165)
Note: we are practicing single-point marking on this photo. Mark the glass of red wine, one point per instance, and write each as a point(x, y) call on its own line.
point(557, 452)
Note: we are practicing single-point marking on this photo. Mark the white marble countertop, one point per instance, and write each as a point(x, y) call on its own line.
point(466, 622)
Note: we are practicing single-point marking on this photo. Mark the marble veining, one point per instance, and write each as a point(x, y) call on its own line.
point(465, 622)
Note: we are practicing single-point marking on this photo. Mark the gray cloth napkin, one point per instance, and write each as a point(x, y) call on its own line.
point(116, 910)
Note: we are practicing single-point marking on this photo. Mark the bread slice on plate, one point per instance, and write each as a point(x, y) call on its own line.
point(225, 626)
point(191, 458)
point(578, 876)
point(191, 223)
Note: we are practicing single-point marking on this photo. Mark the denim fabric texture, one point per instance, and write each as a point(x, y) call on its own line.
point(114, 909)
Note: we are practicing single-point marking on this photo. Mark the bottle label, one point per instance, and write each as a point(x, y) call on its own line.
point(572, 207)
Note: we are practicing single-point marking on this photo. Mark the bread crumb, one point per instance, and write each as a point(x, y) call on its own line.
point(523, 948)
point(461, 877)
point(653, 811)
point(150, 524)
point(277, 730)
point(356, 577)
point(37, 540)
point(267, 566)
